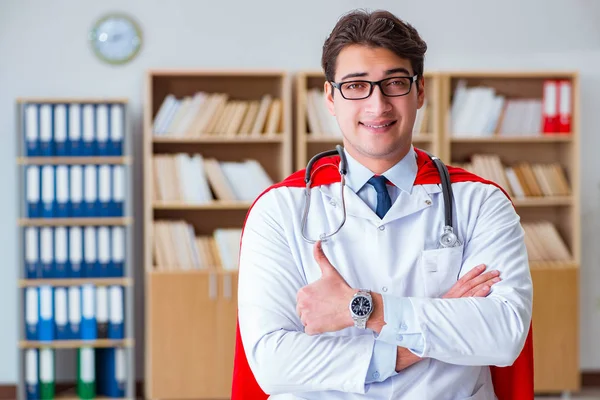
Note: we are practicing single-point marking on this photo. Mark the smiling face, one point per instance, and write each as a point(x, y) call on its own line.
point(377, 130)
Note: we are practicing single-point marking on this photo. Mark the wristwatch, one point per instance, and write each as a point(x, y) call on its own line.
point(361, 307)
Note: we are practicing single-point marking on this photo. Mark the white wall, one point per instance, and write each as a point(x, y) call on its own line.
point(43, 52)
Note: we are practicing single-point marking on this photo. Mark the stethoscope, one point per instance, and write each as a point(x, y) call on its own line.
point(447, 239)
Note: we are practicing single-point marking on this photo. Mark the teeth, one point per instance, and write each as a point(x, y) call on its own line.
point(378, 126)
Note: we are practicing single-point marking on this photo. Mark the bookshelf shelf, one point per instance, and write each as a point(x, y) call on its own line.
point(217, 205)
point(75, 344)
point(543, 201)
point(241, 139)
point(553, 265)
point(546, 138)
point(73, 160)
point(76, 282)
point(75, 221)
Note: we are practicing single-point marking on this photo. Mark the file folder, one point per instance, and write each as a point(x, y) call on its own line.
point(90, 257)
point(47, 251)
point(60, 130)
point(77, 209)
point(102, 130)
point(117, 128)
point(75, 143)
point(46, 130)
point(62, 191)
point(104, 267)
point(32, 133)
point(91, 190)
point(111, 372)
point(102, 312)
point(74, 304)
point(104, 177)
point(47, 191)
point(88, 312)
point(117, 251)
point(75, 252)
point(46, 319)
point(33, 268)
point(89, 131)
point(31, 374)
point(86, 373)
point(32, 306)
point(33, 192)
point(61, 253)
point(118, 190)
point(61, 316)
point(47, 388)
point(116, 328)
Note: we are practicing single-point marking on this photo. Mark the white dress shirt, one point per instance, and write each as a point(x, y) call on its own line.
point(399, 257)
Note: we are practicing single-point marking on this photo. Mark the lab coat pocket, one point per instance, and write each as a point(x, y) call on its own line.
point(484, 393)
point(440, 269)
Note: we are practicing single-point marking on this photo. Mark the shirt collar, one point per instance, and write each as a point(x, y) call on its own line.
point(402, 174)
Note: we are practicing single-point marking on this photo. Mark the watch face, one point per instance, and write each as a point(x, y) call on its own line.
point(361, 306)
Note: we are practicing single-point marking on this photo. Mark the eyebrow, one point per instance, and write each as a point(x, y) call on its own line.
point(388, 72)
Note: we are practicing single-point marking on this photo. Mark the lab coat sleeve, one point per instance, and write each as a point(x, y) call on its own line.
point(282, 357)
point(489, 330)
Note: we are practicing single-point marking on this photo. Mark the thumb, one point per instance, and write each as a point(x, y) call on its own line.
point(321, 258)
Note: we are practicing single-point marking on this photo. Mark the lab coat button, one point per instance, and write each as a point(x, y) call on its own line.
point(403, 327)
point(382, 228)
point(332, 203)
point(376, 375)
point(384, 289)
point(399, 338)
point(428, 202)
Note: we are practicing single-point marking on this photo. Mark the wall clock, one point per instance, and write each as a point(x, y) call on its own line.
point(116, 38)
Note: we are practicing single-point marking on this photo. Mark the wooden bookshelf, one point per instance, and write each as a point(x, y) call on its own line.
point(556, 284)
point(308, 144)
point(75, 221)
point(73, 160)
point(76, 282)
point(75, 344)
point(191, 314)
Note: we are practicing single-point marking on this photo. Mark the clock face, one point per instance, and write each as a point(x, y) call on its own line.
point(116, 39)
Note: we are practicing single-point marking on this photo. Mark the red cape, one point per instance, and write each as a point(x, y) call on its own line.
point(510, 383)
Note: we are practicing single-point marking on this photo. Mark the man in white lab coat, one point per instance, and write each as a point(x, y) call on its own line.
point(380, 310)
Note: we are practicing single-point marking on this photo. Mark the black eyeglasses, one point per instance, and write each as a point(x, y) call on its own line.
point(390, 87)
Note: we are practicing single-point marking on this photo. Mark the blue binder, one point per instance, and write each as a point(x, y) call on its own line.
point(61, 311)
point(90, 194)
point(104, 264)
point(102, 130)
point(48, 188)
point(46, 318)
point(46, 134)
point(117, 129)
point(111, 372)
point(62, 191)
point(90, 252)
point(116, 326)
point(60, 130)
point(74, 304)
point(34, 187)
point(31, 125)
point(88, 312)
point(75, 252)
point(104, 189)
point(102, 312)
point(32, 379)
point(76, 206)
point(117, 252)
point(33, 266)
point(75, 141)
point(118, 190)
point(89, 130)
point(32, 313)
point(47, 252)
point(61, 253)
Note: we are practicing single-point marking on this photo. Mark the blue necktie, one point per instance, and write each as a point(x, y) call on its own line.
point(384, 202)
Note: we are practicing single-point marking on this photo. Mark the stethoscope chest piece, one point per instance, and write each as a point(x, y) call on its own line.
point(448, 238)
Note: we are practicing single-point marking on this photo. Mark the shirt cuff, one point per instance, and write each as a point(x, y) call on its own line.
point(383, 362)
point(401, 326)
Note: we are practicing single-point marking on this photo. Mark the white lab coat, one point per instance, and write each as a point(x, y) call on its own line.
point(397, 256)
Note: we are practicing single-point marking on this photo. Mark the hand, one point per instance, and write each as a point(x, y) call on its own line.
point(472, 284)
point(323, 305)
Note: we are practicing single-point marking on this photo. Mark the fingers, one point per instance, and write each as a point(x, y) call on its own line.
point(483, 289)
point(321, 259)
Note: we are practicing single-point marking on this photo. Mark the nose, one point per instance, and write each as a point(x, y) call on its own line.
point(377, 103)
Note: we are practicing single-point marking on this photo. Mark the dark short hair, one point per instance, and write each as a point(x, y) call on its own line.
point(374, 29)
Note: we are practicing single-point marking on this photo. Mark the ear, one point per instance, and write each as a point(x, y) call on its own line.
point(328, 89)
point(421, 92)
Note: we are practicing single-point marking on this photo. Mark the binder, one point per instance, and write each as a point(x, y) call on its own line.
point(60, 130)
point(33, 268)
point(32, 133)
point(116, 329)
point(46, 318)
point(46, 130)
point(62, 191)
point(102, 312)
point(90, 257)
point(117, 252)
point(86, 373)
point(61, 252)
point(111, 372)
point(88, 312)
point(32, 306)
point(88, 134)
point(104, 178)
point(102, 127)
point(47, 191)
point(550, 107)
point(61, 314)
point(104, 267)
point(33, 192)
point(90, 197)
point(32, 388)
point(77, 209)
point(74, 304)
point(564, 108)
point(117, 128)
point(75, 142)
point(47, 388)
point(75, 252)
point(118, 190)
point(47, 251)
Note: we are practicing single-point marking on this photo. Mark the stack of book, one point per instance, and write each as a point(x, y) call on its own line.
point(544, 243)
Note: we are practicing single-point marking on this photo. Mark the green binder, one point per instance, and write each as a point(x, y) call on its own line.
point(86, 374)
point(46, 374)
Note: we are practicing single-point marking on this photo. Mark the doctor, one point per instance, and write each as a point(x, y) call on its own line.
point(379, 310)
